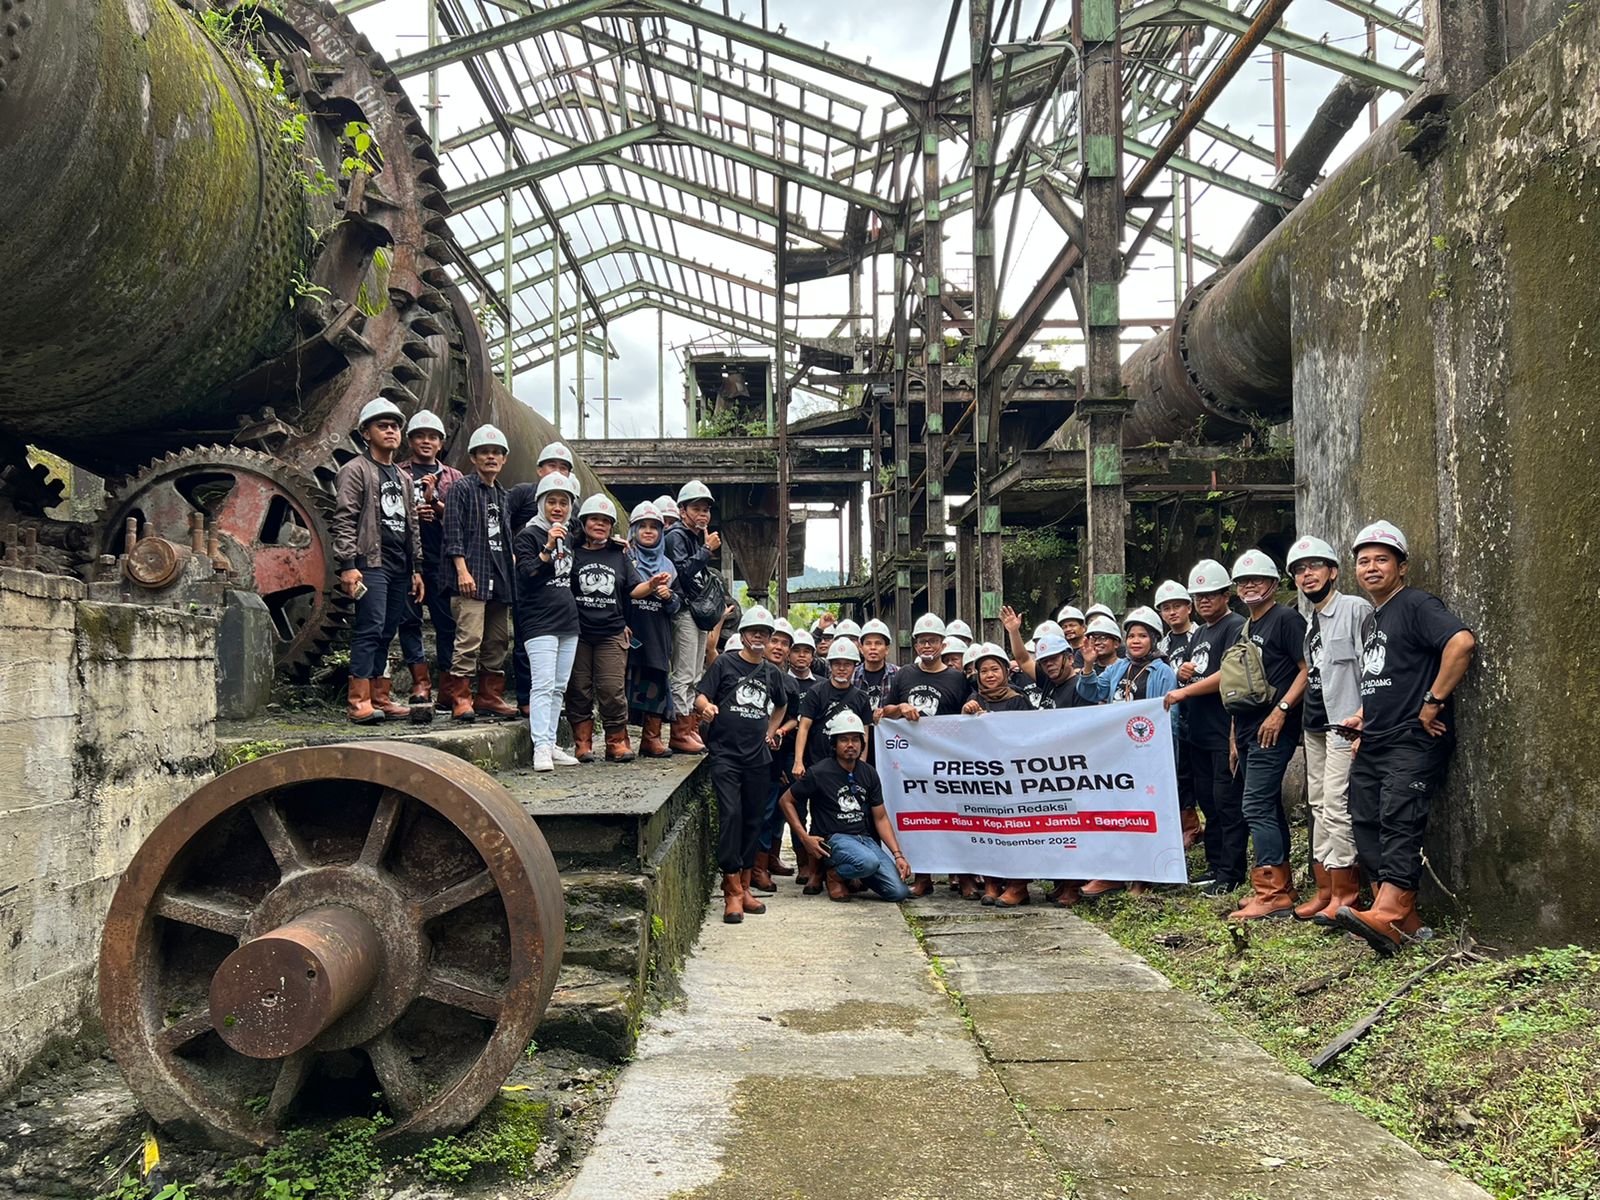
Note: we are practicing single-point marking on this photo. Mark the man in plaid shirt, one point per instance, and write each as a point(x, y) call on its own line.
point(478, 547)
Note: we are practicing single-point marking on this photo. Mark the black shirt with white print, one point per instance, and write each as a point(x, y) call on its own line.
point(601, 581)
point(820, 705)
point(1402, 646)
point(745, 694)
point(392, 516)
point(546, 606)
point(1206, 722)
point(1316, 713)
point(841, 801)
point(931, 693)
point(500, 588)
point(1280, 635)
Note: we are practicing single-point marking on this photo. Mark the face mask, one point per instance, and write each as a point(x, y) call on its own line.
point(1321, 594)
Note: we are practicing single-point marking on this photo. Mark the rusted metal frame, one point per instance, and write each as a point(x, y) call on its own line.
point(621, 200)
point(987, 401)
point(780, 384)
point(1309, 48)
point(656, 296)
point(1024, 140)
point(629, 245)
point(464, 46)
point(933, 348)
point(900, 507)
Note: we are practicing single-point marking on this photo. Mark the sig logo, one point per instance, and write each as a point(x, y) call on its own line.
point(896, 742)
point(1141, 730)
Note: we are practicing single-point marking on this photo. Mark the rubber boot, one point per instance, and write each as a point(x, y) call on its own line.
point(836, 888)
point(968, 886)
point(752, 902)
point(1392, 917)
point(1064, 894)
point(1189, 823)
point(441, 702)
point(760, 877)
point(583, 740)
point(491, 701)
point(1096, 888)
point(991, 890)
point(1271, 896)
point(650, 743)
point(1346, 886)
point(776, 867)
point(684, 739)
point(921, 885)
point(732, 899)
point(455, 689)
point(1015, 894)
point(358, 703)
point(1315, 905)
point(383, 702)
point(618, 749)
point(421, 685)
point(817, 870)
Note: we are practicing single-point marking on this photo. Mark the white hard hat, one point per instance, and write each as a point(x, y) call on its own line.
point(960, 629)
point(1030, 644)
point(667, 506)
point(756, 617)
point(555, 452)
point(847, 629)
point(1049, 645)
point(876, 626)
point(983, 650)
point(425, 420)
point(843, 648)
point(927, 623)
point(1048, 627)
point(556, 482)
point(1208, 575)
point(734, 644)
point(1070, 612)
point(953, 645)
point(1253, 564)
point(842, 722)
point(693, 490)
point(1106, 626)
point(781, 625)
point(1381, 533)
point(1100, 610)
point(645, 510)
point(598, 506)
point(1311, 548)
point(379, 407)
point(487, 435)
point(1147, 617)
point(1171, 589)
point(802, 637)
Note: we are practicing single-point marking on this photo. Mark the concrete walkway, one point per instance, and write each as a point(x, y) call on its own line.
point(815, 1057)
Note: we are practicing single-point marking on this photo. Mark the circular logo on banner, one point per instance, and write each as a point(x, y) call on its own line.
point(1141, 730)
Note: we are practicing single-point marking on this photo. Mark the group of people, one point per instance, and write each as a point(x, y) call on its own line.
point(634, 627)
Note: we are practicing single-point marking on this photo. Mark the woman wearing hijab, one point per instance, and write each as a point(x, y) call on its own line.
point(547, 613)
point(991, 668)
point(650, 650)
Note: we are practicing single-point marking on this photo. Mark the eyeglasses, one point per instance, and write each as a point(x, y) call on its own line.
point(387, 426)
point(1300, 568)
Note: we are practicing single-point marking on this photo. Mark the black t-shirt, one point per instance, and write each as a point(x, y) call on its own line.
point(931, 693)
point(841, 802)
point(1060, 695)
point(601, 581)
point(499, 552)
point(1206, 722)
point(1403, 643)
point(1135, 682)
point(820, 705)
point(1017, 703)
point(392, 517)
point(1174, 647)
point(783, 759)
point(1316, 713)
point(546, 606)
point(745, 694)
point(873, 685)
point(1281, 636)
point(432, 531)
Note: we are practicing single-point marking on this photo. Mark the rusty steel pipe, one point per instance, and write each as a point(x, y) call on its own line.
point(277, 993)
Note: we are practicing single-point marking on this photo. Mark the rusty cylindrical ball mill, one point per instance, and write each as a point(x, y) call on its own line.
point(322, 924)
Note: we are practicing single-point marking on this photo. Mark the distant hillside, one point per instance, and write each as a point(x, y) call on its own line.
point(816, 577)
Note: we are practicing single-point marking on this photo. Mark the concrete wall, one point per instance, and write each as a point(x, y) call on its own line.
point(1446, 328)
point(106, 715)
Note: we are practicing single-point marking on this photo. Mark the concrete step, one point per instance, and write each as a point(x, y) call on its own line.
point(496, 746)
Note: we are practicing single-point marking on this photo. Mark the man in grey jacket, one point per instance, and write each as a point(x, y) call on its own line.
point(1334, 634)
point(378, 545)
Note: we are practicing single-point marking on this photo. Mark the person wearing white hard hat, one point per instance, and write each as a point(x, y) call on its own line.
point(1218, 788)
point(377, 545)
point(650, 624)
point(954, 653)
point(430, 479)
point(1266, 734)
point(547, 613)
point(959, 629)
point(605, 585)
point(928, 688)
point(668, 507)
point(1047, 660)
point(690, 547)
point(769, 862)
point(993, 693)
point(834, 695)
point(846, 803)
point(1073, 627)
point(802, 660)
point(1415, 655)
point(522, 505)
point(1172, 601)
point(740, 700)
point(875, 669)
point(1333, 695)
point(848, 629)
point(477, 545)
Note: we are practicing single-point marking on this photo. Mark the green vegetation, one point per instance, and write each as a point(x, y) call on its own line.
point(335, 1163)
point(502, 1142)
point(250, 751)
point(1034, 545)
point(131, 1187)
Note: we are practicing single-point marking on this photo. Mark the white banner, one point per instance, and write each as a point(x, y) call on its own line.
point(1076, 793)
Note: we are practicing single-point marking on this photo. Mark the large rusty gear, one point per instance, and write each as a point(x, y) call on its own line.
point(273, 524)
point(324, 923)
point(27, 485)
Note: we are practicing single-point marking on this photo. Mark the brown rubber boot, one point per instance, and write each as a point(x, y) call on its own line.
point(991, 890)
point(1271, 897)
point(454, 688)
point(1064, 894)
point(1346, 886)
point(684, 739)
point(1096, 888)
point(776, 867)
point(1392, 917)
point(491, 701)
point(583, 740)
point(421, 685)
point(1189, 823)
point(921, 885)
point(383, 702)
point(650, 743)
point(1015, 894)
point(732, 899)
point(968, 887)
point(752, 902)
point(760, 877)
point(441, 702)
point(358, 703)
point(837, 890)
point(1317, 903)
point(618, 748)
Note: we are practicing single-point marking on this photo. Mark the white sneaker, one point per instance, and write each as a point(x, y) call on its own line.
point(561, 758)
point(541, 759)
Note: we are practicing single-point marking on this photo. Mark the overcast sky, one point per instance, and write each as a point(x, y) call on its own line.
point(901, 36)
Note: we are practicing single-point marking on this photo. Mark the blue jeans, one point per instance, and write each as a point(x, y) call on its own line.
point(378, 616)
point(856, 856)
point(1263, 798)
point(549, 667)
point(773, 825)
point(444, 630)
